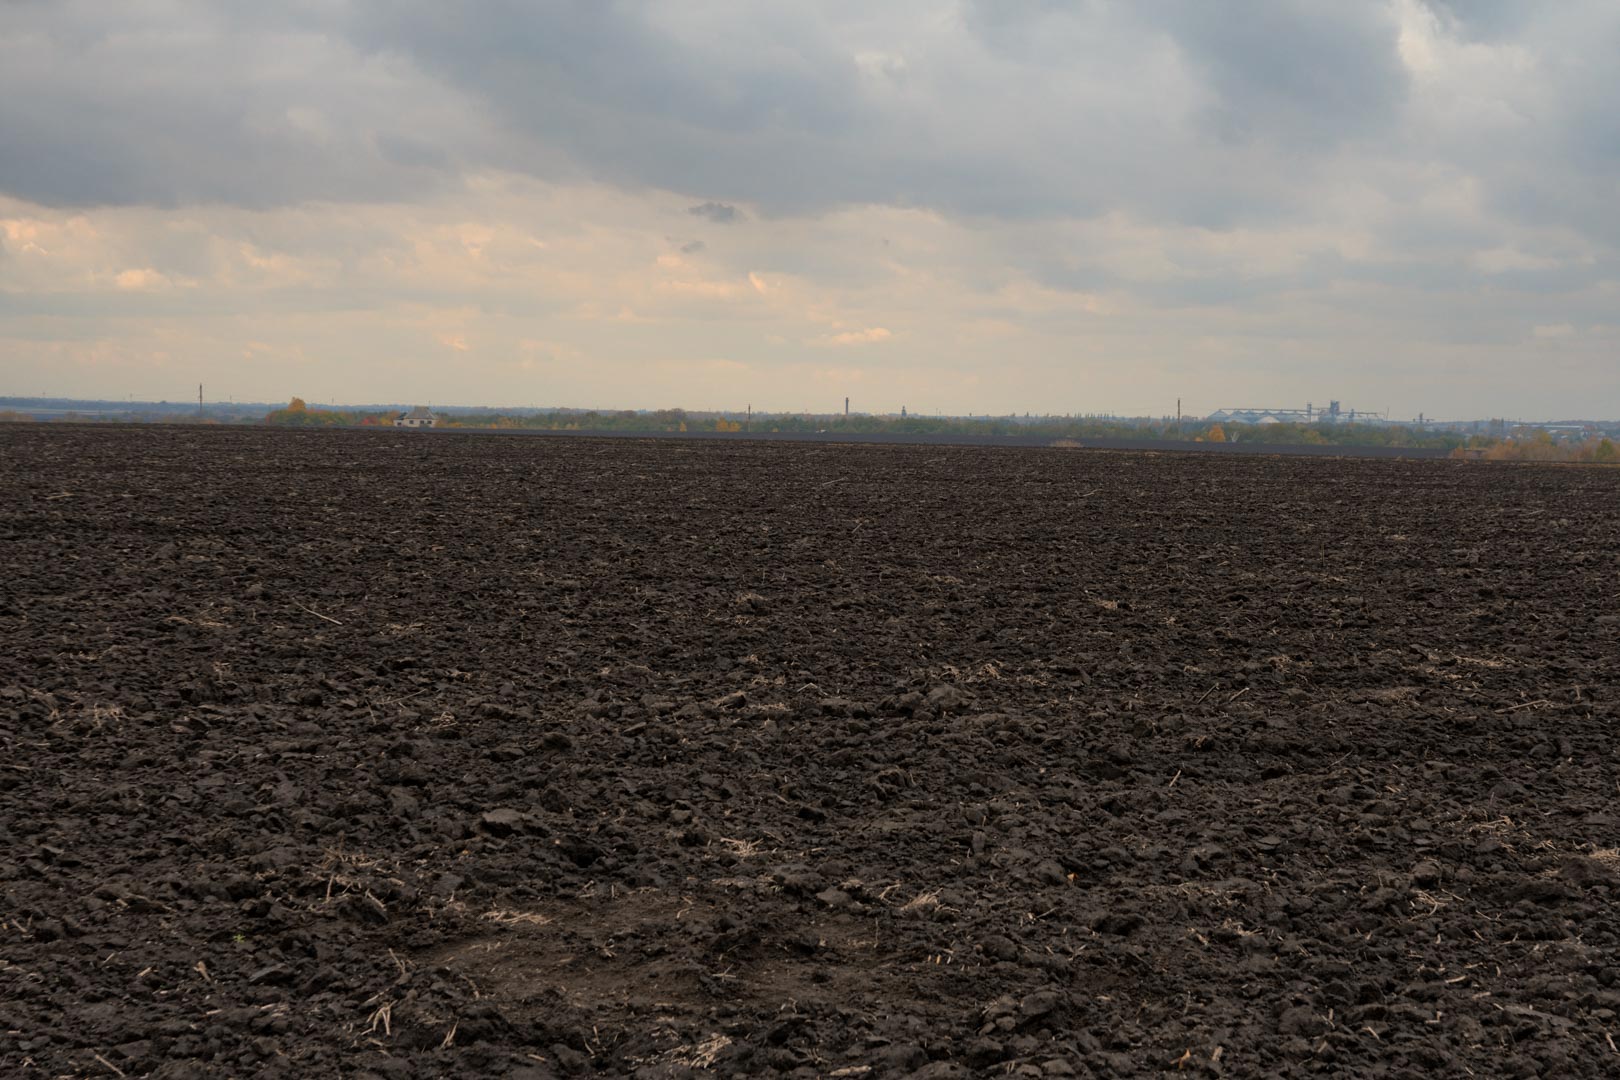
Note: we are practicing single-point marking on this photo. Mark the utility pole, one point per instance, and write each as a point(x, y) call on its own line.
point(199, 399)
point(1178, 418)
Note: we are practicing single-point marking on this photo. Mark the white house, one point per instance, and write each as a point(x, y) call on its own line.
point(417, 417)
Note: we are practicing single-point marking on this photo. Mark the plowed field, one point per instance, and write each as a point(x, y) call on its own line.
point(431, 755)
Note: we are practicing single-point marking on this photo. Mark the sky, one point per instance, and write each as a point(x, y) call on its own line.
point(957, 206)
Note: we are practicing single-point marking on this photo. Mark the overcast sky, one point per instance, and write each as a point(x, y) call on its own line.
point(968, 206)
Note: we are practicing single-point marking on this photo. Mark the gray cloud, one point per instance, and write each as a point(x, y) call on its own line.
point(719, 213)
point(1485, 20)
point(1013, 110)
point(1273, 114)
point(1294, 70)
point(1173, 110)
point(145, 104)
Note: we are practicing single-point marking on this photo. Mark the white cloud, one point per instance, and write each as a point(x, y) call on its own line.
point(141, 280)
point(870, 335)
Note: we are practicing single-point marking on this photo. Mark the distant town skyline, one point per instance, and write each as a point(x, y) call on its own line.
point(1312, 413)
point(978, 207)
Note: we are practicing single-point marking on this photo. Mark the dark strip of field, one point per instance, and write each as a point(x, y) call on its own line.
point(952, 439)
point(946, 439)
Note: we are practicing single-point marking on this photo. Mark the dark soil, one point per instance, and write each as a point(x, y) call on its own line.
point(375, 754)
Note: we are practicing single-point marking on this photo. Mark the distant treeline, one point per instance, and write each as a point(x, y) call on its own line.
point(1501, 444)
point(297, 413)
point(1541, 446)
